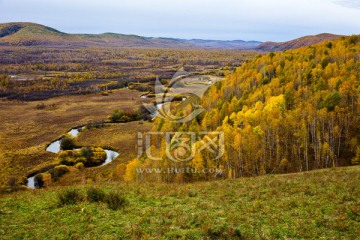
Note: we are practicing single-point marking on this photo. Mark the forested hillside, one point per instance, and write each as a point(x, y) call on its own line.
point(297, 43)
point(282, 112)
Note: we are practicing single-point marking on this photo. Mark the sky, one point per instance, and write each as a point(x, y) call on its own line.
point(262, 20)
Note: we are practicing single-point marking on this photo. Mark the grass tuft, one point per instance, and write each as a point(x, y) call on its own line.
point(69, 197)
point(115, 200)
point(95, 194)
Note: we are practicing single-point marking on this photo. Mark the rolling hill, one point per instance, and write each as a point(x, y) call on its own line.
point(297, 43)
point(322, 204)
point(31, 34)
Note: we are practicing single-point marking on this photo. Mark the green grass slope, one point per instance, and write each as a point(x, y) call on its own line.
point(320, 204)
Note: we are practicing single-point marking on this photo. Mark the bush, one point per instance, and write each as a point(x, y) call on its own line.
point(95, 156)
point(129, 115)
point(68, 157)
point(79, 165)
point(38, 180)
point(12, 181)
point(353, 39)
point(58, 171)
point(67, 143)
point(46, 178)
point(80, 160)
point(87, 153)
point(115, 200)
point(69, 196)
point(95, 194)
point(62, 169)
point(67, 161)
point(23, 181)
point(89, 156)
point(116, 116)
point(40, 106)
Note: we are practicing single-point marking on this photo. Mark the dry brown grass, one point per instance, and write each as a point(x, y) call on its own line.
point(25, 130)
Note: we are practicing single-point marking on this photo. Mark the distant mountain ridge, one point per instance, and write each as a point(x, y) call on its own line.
point(31, 34)
point(297, 43)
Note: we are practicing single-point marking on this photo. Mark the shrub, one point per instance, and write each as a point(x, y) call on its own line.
point(67, 143)
point(69, 196)
point(124, 116)
point(46, 178)
point(38, 181)
point(116, 116)
point(192, 193)
point(79, 165)
point(80, 160)
point(70, 157)
point(40, 106)
point(98, 156)
point(23, 181)
point(68, 161)
point(62, 169)
point(353, 39)
point(12, 181)
point(88, 156)
point(95, 194)
point(87, 153)
point(58, 171)
point(115, 200)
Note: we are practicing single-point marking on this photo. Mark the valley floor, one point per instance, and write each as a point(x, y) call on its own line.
point(26, 129)
point(321, 204)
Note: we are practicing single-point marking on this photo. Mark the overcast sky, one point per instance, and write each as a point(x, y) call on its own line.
point(263, 20)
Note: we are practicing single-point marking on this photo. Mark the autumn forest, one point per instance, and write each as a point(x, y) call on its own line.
point(284, 112)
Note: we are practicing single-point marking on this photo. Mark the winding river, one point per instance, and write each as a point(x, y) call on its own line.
point(54, 147)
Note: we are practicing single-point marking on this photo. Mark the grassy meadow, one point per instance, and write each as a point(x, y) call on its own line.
point(321, 204)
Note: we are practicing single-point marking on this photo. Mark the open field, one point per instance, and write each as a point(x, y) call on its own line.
point(37, 73)
point(25, 129)
point(321, 204)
